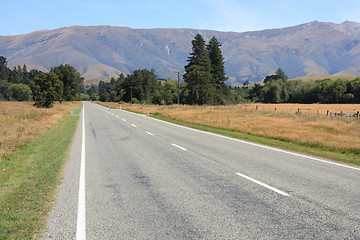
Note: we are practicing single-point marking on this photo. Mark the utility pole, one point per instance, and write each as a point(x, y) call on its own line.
point(178, 72)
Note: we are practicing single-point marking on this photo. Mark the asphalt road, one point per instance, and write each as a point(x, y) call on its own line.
point(147, 179)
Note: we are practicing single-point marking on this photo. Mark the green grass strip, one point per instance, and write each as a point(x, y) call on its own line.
point(29, 178)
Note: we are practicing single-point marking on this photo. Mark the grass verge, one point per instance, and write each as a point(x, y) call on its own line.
point(29, 177)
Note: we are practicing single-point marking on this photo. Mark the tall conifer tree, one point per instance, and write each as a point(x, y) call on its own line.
point(217, 67)
point(197, 74)
point(3, 69)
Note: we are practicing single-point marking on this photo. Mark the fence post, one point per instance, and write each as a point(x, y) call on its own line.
point(275, 109)
point(256, 108)
point(71, 112)
point(120, 107)
point(327, 113)
point(148, 112)
point(298, 111)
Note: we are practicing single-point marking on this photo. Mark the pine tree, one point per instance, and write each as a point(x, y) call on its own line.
point(198, 74)
point(217, 67)
point(3, 69)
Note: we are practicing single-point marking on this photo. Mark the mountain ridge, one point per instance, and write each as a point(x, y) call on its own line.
point(309, 49)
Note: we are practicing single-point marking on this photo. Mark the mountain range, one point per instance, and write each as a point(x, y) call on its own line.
point(311, 49)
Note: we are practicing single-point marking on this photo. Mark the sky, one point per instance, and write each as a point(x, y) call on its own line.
point(25, 16)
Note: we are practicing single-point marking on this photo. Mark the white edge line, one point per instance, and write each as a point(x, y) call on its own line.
point(81, 220)
point(264, 185)
point(150, 133)
point(179, 147)
point(253, 144)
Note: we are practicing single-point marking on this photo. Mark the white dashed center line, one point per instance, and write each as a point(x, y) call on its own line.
point(263, 184)
point(150, 133)
point(133, 125)
point(179, 147)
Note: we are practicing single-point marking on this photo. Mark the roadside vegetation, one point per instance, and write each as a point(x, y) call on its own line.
point(21, 122)
point(309, 131)
point(62, 83)
point(34, 146)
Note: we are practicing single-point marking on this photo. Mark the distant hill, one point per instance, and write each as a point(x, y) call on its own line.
point(311, 49)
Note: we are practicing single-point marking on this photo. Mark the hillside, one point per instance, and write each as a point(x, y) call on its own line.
point(311, 49)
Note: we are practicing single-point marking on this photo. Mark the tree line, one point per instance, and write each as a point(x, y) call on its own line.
point(140, 86)
point(62, 83)
point(277, 89)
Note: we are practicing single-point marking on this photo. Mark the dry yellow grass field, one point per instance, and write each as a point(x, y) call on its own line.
point(311, 127)
point(20, 122)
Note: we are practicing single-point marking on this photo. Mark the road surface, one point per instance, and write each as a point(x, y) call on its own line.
point(134, 177)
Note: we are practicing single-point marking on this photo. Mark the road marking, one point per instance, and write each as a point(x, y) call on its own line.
point(124, 120)
point(81, 220)
point(179, 147)
point(253, 144)
point(150, 133)
point(117, 116)
point(133, 125)
point(264, 185)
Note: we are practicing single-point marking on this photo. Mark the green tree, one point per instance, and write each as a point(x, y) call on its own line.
point(217, 67)
point(72, 81)
point(354, 89)
point(142, 85)
point(255, 93)
point(271, 93)
point(92, 89)
point(94, 97)
point(200, 84)
point(4, 85)
point(3, 69)
point(279, 75)
point(330, 91)
point(46, 89)
point(19, 92)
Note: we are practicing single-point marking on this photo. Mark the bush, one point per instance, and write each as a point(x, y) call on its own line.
point(134, 100)
point(19, 92)
point(94, 97)
point(84, 97)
